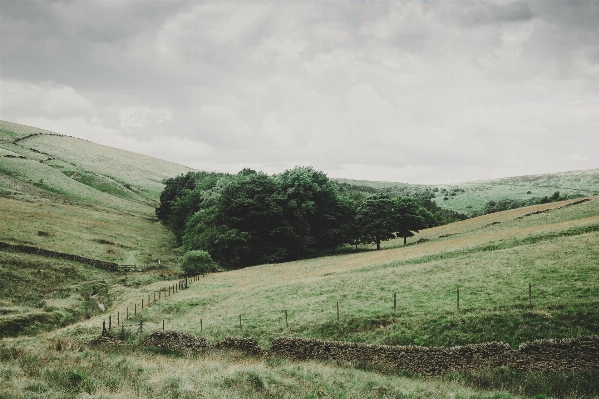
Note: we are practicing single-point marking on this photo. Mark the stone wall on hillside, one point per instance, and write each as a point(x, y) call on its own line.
point(556, 354)
point(576, 353)
point(100, 264)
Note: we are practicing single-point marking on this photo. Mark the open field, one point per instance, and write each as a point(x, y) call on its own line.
point(69, 195)
point(555, 251)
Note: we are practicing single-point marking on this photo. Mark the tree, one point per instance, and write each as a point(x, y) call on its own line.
point(198, 262)
point(375, 219)
point(410, 217)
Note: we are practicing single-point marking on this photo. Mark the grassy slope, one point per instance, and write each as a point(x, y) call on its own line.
point(46, 293)
point(555, 251)
point(73, 196)
point(477, 193)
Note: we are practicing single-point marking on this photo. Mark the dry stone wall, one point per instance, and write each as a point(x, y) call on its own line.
point(101, 264)
point(557, 354)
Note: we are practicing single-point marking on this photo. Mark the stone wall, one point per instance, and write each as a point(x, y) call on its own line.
point(575, 353)
point(561, 354)
point(101, 264)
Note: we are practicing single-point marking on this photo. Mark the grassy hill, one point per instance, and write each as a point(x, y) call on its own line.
point(471, 197)
point(73, 196)
point(491, 259)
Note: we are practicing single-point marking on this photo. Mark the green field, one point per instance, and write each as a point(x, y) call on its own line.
point(73, 196)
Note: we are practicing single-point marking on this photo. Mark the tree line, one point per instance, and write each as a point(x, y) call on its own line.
point(251, 218)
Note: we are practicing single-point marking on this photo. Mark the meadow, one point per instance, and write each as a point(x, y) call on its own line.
point(70, 195)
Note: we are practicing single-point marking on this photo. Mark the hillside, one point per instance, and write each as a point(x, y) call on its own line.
point(69, 195)
point(491, 259)
point(470, 197)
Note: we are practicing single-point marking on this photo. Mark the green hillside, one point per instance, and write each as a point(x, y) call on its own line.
point(72, 196)
point(472, 197)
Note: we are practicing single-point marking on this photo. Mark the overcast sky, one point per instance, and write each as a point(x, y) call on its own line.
point(412, 91)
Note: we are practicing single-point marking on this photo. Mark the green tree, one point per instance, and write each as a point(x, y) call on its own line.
point(198, 262)
point(375, 219)
point(410, 217)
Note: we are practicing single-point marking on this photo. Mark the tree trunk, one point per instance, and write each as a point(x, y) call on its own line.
point(378, 244)
point(356, 247)
point(404, 240)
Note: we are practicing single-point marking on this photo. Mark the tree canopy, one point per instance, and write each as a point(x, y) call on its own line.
point(252, 218)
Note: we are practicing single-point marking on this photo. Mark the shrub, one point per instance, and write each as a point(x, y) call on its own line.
point(198, 262)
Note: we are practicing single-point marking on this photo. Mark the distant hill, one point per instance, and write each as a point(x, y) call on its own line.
point(471, 197)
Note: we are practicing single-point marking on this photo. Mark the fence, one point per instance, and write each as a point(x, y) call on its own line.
point(239, 320)
point(121, 319)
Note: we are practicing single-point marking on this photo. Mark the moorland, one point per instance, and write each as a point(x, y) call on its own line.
point(523, 274)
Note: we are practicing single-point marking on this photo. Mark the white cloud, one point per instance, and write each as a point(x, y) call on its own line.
point(140, 117)
point(412, 91)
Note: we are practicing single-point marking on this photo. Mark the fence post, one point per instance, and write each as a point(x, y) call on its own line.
point(394, 301)
point(149, 298)
point(154, 297)
point(141, 326)
point(135, 314)
point(118, 318)
point(200, 324)
point(103, 327)
point(458, 297)
point(127, 314)
point(530, 294)
point(240, 326)
point(337, 310)
point(162, 324)
point(286, 322)
point(109, 322)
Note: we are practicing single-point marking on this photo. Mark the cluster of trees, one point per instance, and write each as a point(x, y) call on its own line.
point(507, 203)
point(252, 218)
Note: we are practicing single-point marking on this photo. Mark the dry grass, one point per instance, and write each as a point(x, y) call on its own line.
point(77, 371)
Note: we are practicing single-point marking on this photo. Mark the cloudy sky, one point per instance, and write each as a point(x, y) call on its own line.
point(435, 91)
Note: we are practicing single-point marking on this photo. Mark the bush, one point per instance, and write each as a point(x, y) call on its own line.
point(198, 262)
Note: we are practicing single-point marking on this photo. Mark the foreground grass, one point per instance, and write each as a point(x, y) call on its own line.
point(72, 369)
point(77, 372)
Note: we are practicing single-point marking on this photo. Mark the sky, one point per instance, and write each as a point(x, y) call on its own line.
point(414, 91)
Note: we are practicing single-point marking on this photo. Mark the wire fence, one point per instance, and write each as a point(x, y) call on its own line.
point(127, 328)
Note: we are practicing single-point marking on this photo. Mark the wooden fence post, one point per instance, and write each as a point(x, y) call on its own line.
point(162, 324)
point(286, 322)
point(141, 326)
point(109, 322)
point(103, 327)
point(127, 314)
point(118, 318)
point(458, 297)
point(135, 314)
point(394, 301)
point(240, 326)
point(337, 310)
point(530, 294)
point(142, 304)
point(200, 324)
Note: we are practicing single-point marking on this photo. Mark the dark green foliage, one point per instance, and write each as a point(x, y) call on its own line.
point(507, 203)
point(198, 262)
point(252, 218)
point(376, 219)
